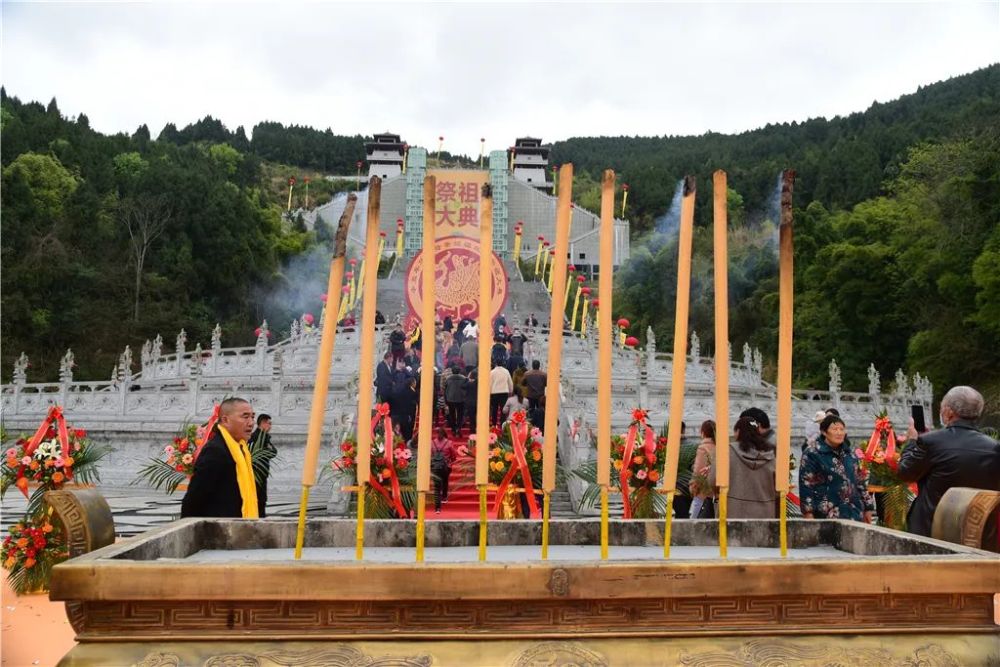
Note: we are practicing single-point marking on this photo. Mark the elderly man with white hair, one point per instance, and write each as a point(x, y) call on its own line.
point(958, 454)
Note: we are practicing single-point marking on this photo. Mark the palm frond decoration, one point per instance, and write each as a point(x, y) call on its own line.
point(159, 475)
point(646, 502)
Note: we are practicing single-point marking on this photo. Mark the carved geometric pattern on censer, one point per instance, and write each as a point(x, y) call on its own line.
point(338, 656)
point(758, 652)
point(820, 654)
point(798, 612)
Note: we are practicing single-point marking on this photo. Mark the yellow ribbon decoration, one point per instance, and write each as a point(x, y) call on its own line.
point(244, 473)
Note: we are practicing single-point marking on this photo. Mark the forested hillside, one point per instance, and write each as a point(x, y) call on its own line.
point(108, 240)
point(205, 238)
point(840, 162)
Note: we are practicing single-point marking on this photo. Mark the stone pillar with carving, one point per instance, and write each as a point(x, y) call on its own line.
point(260, 349)
point(66, 365)
point(758, 366)
point(216, 349)
point(902, 388)
point(125, 366)
point(874, 388)
point(21, 370)
point(835, 383)
point(294, 331)
point(650, 352)
point(196, 369)
point(182, 365)
point(146, 358)
point(747, 365)
point(155, 352)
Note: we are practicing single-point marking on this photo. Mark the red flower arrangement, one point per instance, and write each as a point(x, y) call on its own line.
point(881, 460)
point(28, 553)
point(390, 489)
point(55, 455)
point(180, 455)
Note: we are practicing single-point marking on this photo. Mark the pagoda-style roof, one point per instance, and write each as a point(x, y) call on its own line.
point(385, 142)
point(530, 146)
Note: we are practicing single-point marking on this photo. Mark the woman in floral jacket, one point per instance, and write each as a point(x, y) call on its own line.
point(832, 483)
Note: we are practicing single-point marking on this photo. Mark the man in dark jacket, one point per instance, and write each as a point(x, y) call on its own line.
point(383, 379)
point(214, 490)
point(534, 383)
point(454, 398)
point(262, 451)
point(956, 455)
point(471, 399)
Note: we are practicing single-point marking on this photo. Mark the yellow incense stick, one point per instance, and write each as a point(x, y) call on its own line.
point(321, 386)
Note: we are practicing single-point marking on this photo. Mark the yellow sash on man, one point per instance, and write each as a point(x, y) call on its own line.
point(244, 473)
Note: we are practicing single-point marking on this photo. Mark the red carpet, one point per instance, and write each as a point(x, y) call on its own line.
point(463, 497)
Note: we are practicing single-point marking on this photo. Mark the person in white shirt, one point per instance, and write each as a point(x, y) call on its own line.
point(501, 385)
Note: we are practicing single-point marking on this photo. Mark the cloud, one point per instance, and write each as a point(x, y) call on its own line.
point(493, 70)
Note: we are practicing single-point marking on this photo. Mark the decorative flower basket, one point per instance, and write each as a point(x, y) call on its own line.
point(881, 460)
point(391, 489)
point(637, 462)
point(174, 470)
point(515, 464)
point(54, 456)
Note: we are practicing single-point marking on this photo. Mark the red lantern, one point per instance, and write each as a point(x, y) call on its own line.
point(346, 289)
point(358, 164)
point(596, 302)
point(350, 274)
point(541, 238)
point(546, 244)
point(631, 341)
point(517, 232)
point(552, 253)
point(571, 268)
point(256, 332)
point(322, 297)
point(482, 139)
point(291, 180)
point(382, 234)
point(307, 318)
point(440, 138)
point(306, 179)
point(581, 278)
point(352, 261)
point(624, 187)
point(585, 291)
point(623, 323)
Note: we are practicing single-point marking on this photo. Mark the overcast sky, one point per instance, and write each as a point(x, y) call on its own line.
point(497, 71)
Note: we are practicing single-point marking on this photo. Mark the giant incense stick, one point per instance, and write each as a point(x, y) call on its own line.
point(679, 362)
point(606, 281)
point(785, 319)
point(485, 345)
point(367, 362)
point(557, 277)
point(321, 388)
point(719, 187)
point(427, 342)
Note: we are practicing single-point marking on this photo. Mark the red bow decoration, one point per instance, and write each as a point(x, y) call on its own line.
point(212, 421)
point(54, 418)
point(649, 450)
point(518, 436)
point(393, 496)
point(883, 427)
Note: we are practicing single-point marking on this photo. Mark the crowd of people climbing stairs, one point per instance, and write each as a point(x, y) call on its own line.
point(516, 383)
